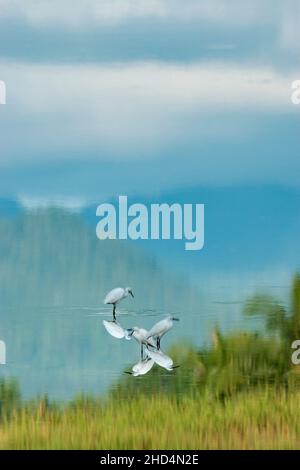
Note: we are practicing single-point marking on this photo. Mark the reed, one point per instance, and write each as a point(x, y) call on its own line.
point(265, 419)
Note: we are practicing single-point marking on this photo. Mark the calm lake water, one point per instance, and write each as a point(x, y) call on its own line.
point(54, 274)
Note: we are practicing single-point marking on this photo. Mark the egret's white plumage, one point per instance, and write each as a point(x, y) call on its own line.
point(140, 335)
point(142, 367)
point(114, 329)
point(115, 295)
point(160, 329)
point(148, 340)
point(160, 358)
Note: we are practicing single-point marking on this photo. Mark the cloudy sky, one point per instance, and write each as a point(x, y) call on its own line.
point(129, 96)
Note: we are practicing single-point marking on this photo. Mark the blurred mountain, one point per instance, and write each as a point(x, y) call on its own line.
point(248, 227)
point(245, 227)
point(9, 207)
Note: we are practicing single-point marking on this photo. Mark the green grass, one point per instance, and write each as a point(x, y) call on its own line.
point(264, 419)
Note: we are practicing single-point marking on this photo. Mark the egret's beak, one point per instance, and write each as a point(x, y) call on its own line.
point(131, 293)
point(175, 319)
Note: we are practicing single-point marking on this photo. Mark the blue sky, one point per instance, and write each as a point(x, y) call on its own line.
point(129, 96)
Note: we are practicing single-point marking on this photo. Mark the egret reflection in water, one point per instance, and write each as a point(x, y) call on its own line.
point(149, 341)
point(114, 329)
point(142, 367)
point(160, 358)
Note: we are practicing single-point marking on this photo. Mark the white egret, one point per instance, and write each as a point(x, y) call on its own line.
point(114, 329)
point(115, 295)
point(160, 329)
point(141, 336)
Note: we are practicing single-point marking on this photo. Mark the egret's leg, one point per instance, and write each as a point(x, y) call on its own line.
point(142, 352)
point(114, 312)
point(158, 343)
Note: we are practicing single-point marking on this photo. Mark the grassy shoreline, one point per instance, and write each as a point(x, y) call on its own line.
point(262, 419)
point(242, 392)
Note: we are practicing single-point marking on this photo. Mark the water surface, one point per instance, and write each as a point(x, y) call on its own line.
point(54, 274)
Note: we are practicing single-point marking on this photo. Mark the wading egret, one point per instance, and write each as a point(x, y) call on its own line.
point(160, 329)
point(114, 329)
point(115, 295)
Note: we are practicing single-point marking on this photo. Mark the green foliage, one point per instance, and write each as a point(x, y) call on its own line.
point(295, 308)
point(242, 361)
point(270, 310)
point(285, 322)
point(237, 362)
point(261, 419)
point(10, 398)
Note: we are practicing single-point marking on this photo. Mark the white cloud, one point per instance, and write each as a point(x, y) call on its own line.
point(44, 88)
point(131, 109)
point(74, 13)
point(83, 13)
point(289, 38)
point(70, 204)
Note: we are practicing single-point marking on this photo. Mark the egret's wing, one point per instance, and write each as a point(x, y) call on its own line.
point(114, 329)
point(160, 328)
point(136, 368)
point(151, 341)
point(160, 359)
point(114, 295)
point(141, 335)
point(156, 329)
